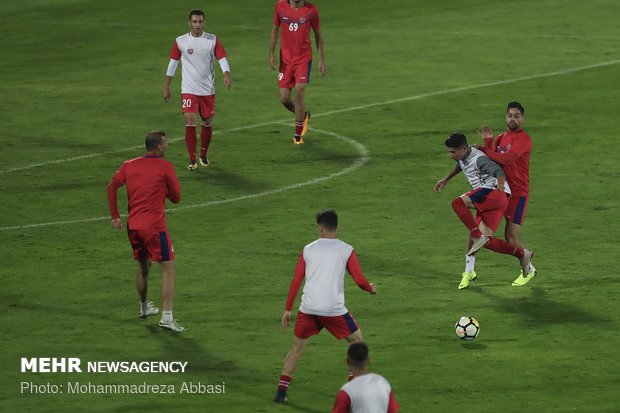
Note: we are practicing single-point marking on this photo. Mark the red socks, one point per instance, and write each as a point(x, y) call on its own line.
point(459, 207)
point(205, 140)
point(190, 141)
point(299, 126)
point(503, 247)
point(284, 382)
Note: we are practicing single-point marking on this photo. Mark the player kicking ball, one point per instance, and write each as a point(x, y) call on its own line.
point(489, 197)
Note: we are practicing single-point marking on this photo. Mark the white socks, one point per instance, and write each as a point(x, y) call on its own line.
point(166, 316)
point(470, 262)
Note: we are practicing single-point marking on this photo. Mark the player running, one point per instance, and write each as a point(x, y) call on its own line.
point(488, 197)
point(197, 50)
point(511, 150)
point(323, 264)
point(296, 17)
point(150, 180)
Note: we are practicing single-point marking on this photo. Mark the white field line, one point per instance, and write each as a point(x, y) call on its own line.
point(350, 109)
point(361, 149)
point(361, 160)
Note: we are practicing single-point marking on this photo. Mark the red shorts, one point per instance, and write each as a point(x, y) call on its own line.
point(340, 326)
point(491, 205)
point(155, 245)
point(290, 75)
point(516, 209)
point(204, 105)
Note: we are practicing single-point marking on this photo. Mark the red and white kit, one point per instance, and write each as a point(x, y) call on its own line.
point(323, 264)
point(368, 393)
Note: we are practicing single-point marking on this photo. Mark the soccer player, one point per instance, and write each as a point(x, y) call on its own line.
point(323, 263)
point(365, 392)
point(150, 180)
point(197, 50)
point(488, 197)
point(511, 150)
point(295, 17)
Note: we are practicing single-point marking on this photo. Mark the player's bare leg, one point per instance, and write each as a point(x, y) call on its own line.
point(512, 232)
point(168, 273)
point(205, 140)
point(301, 114)
point(290, 365)
point(190, 138)
point(292, 358)
point(285, 99)
point(147, 307)
point(355, 337)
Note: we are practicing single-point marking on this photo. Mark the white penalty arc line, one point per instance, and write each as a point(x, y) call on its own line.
point(360, 161)
point(349, 109)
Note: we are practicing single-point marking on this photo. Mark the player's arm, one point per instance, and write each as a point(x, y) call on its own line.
point(220, 55)
point(319, 46)
point(488, 166)
point(354, 268)
point(443, 181)
point(518, 149)
point(175, 55)
point(116, 182)
point(173, 187)
point(343, 402)
point(392, 404)
point(300, 273)
point(272, 47)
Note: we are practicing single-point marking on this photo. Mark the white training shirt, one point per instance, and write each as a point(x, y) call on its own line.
point(477, 167)
point(326, 265)
point(369, 393)
point(197, 55)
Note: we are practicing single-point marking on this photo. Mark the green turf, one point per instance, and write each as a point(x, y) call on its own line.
point(82, 79)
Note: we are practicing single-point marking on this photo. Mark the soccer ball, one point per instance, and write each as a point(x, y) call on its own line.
point(467, 328)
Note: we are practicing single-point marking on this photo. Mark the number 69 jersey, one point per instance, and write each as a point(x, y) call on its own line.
point(295, 45)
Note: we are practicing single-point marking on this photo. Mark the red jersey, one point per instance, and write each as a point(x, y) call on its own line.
point(512, 151)
point(150, 180)
point(295, 45)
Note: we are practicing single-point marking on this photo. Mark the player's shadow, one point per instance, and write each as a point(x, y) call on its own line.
point(222, 177)
point(179, 346)
point(538, 307)
point(300, 408)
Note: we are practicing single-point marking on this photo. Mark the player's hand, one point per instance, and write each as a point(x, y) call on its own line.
point(479, 147)
point(439, 185)
point(500, 186)
point(227, 80)
point(117, 223)
point(166, 94)
point(272, 61)
point(485, 132)
point(373, 288)
point(286, 320)
point(322, 69)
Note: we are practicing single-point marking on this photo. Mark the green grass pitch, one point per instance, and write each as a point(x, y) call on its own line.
point(81, 85)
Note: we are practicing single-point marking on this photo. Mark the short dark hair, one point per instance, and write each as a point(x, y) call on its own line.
point(196, 12)
point(456, 140)
point(515, 104)
point(358, 355)
point(327, 219)
point(153, 139)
